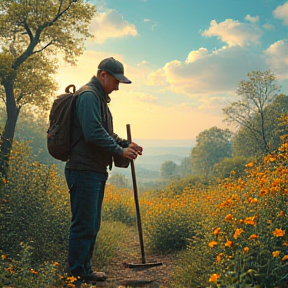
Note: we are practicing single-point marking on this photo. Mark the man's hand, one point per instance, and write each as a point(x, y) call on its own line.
point(132, 151)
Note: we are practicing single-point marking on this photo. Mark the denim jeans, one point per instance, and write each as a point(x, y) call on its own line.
point(86, 196)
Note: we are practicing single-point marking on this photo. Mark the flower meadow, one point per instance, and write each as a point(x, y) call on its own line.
point(231, 232)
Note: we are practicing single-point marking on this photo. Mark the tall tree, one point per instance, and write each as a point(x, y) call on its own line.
point(245, 145)
point(33, 34)
point(212, 146)
point(255, 94)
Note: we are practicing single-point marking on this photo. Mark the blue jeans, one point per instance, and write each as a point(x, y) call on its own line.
point(86, 196)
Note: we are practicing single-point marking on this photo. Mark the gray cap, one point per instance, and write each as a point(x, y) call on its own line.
point(115, 68)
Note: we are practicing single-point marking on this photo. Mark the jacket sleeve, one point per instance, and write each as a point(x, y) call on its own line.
point(88, 111)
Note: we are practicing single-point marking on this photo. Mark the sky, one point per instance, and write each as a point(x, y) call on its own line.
point(185, 59)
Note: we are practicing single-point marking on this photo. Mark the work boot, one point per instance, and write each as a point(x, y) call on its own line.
point(94, 277)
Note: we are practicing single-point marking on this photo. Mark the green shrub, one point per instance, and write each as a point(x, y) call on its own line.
point(34, 208)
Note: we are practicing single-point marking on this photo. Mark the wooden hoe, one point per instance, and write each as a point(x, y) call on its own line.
point(139, 224)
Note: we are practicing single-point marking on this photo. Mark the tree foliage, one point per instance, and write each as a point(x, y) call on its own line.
point(33, 34)
point(212, 146)
point(245, 145)
point(255, 94)
point(168, 169)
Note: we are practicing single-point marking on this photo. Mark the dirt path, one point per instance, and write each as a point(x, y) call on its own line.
point(120, 276)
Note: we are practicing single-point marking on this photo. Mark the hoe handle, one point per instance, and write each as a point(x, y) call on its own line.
point(139, 224)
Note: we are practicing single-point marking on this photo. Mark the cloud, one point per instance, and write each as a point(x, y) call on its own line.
point(234, 33)
point(277, 58)
point(252, 19)
point(281, 12)
point(207, 73)
point(110, 24)
point(268, 26)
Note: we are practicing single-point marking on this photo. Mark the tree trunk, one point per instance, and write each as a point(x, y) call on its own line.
point(9, 130)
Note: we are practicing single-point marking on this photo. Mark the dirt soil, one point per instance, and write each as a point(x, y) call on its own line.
point(121, 276)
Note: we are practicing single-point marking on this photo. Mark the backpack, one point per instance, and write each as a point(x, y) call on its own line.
point(60, 120)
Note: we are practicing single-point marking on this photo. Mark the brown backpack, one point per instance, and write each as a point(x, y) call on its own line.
point(60, 120)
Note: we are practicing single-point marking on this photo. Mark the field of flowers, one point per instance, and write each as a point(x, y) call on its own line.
point(229, 234)
point(232, 233)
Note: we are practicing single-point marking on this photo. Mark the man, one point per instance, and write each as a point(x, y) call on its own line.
point(93, 145)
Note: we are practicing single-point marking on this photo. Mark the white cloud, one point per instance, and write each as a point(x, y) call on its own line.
point(110, 24)
point(268, 26)
point(277, 58)
point(281, 12)
point(207, 74)
point(252, 19)
point(234, 33)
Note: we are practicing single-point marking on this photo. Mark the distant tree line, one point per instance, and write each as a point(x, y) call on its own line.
point(256, 115)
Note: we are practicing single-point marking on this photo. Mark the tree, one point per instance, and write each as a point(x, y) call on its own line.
point(245, 145)
point(33, 33)
point(168, 169)
point(255, 93)
point(184, 169)
point(230, 166)
point(211, 147)
point(118, 180)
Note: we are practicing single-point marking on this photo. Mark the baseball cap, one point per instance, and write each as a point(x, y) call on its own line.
point(115, 68)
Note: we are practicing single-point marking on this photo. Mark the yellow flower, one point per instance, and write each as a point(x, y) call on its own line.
point(279, 232)
point(214, 277)
point(3, 257)
point(246, 249)
point(276, 254)
point(238, 232)
point(253, 236)
point(272, 159)
point(212, 244)
point(228, 243)
point(216, 231)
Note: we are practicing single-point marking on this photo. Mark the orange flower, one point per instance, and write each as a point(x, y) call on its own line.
point(218, 258)
point(285, 243)
point(4, 180)
point(254, 200)
point(33, 271)
point(253, 236)
point(250, 220)
point(280, 214)
point(214, 277)
point(238, 232)
point(228, 217)
point(3, 257)
point(285, 258)
point(212, 244)
point(276, 254)
point(249, 165)
point(228, 243)
point(55, 263)
point(246, 249)
point(279, 232)
point(263, 192)
point(216, 231)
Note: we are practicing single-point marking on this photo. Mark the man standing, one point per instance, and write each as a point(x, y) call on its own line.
point(93, 145)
